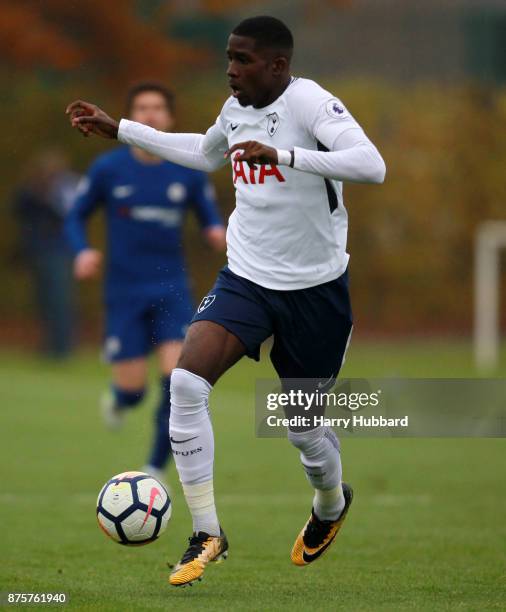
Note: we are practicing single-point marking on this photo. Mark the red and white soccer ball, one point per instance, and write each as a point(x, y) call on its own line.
point(133, 508)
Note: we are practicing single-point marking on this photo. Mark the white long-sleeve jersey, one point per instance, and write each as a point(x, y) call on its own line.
point(289, 227)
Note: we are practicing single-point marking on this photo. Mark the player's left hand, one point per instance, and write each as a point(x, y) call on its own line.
point(254, 152)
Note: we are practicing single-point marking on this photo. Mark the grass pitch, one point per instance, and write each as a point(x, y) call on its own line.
point(426, 530)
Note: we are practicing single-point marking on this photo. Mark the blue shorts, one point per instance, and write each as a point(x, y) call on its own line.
point(310, 327)
point(134, 326)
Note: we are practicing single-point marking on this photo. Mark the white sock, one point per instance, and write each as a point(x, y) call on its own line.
point(192, 442)
point(321, 459)
point(200, 500)
point(328, 504)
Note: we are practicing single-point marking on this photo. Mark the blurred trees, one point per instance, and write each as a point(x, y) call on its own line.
point(28, 40)
point(65, 34)
point(410, 240)
point(222, 6)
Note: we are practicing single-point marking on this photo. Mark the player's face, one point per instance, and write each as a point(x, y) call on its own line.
point(150, 108)
point(252, 73)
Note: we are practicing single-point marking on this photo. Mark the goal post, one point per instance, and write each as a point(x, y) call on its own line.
point(489, 239)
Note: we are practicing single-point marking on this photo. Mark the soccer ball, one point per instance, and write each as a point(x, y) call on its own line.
point(133, 508)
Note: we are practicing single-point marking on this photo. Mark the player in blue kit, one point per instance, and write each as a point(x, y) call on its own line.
point(147, 298)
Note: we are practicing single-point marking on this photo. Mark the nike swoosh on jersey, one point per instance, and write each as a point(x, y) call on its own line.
point(181, 441)
point(234, 127)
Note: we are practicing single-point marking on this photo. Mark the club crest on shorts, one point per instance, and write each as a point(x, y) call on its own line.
point(272, 123)
point(206, 302)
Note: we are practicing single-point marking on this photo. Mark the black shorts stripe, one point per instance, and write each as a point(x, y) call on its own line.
point(331, 192)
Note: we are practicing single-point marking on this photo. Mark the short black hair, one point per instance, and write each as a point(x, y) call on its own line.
point(145, 86)
point(268, 32)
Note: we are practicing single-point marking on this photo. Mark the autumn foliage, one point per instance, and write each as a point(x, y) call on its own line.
point(63, 35)
point(411, 239)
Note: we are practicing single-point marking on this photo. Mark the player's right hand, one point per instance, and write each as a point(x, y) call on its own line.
point(90, 119)
point(87, 264)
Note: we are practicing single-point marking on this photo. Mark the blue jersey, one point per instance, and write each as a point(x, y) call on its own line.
point(145, 206)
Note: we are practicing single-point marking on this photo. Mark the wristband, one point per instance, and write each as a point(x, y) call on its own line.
point(284, 157)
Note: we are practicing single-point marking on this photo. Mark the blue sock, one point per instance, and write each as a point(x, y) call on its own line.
point(160, 451)
point(127, 399)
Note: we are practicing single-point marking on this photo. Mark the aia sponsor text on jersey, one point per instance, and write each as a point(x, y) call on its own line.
point(257, 175)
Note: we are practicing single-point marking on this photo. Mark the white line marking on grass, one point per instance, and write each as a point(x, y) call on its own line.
point(383, 499)
point(86, 498)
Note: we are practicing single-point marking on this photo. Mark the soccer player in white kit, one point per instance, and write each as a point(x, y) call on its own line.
point(291, 144)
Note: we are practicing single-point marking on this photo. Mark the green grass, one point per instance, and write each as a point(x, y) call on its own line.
point(426, 530)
